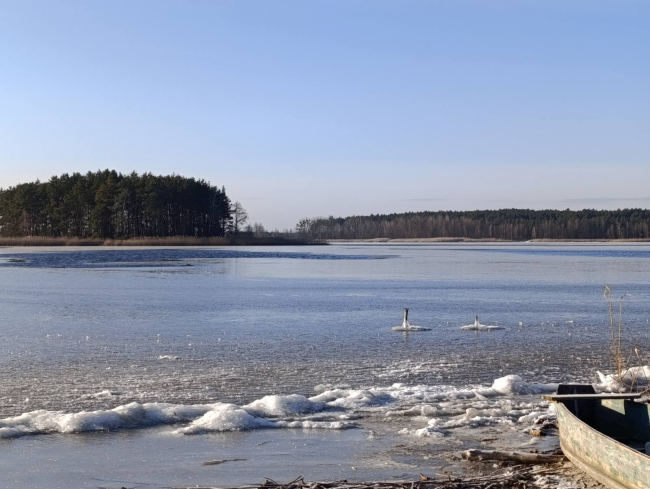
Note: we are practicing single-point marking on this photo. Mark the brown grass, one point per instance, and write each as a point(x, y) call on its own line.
point(171, 241)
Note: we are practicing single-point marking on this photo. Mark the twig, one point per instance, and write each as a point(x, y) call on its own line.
point(219, 462)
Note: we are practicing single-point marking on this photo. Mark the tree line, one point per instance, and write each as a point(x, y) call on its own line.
point(503, 224)
point(108, 204)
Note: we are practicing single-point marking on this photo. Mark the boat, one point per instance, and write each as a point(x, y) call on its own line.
point(605, 435)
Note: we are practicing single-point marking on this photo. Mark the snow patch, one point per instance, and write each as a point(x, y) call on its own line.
point(230, 417)
point(428, 410)
point(283, 405)
point(129, 416)
point(354, 398)
point(637, 376)
point(224, 417)
point(428, 432)
point(514, 384)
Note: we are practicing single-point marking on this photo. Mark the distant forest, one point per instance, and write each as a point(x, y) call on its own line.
point(505, 224)
point(107, 204)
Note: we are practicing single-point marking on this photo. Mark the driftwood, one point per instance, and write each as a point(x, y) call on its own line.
point(519, 457)
point(219, 462)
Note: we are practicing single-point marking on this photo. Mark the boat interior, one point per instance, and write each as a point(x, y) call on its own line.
point(618, 416)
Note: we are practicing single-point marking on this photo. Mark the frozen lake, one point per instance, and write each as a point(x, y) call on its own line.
point(133, 365)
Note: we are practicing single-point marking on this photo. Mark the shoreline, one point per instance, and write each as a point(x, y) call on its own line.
point(156, 242)
point(182, 241)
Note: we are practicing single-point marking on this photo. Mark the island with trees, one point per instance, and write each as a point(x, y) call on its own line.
point(105, 206)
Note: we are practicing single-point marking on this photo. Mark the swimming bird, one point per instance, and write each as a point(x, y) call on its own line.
point(406, 326)
point(477, 326)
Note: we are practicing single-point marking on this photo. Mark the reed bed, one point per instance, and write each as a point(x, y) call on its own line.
point(170, 241)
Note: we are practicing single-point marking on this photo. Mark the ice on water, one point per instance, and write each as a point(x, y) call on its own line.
point(634, 376)
point(283, 405)
point(428, 411)
point(265, 331)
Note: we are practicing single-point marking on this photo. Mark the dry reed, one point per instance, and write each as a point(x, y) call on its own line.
point(170, 241)
point(619, 364)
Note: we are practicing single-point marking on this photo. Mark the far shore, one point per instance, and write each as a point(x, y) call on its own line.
point(482, 240)
point(179, 241)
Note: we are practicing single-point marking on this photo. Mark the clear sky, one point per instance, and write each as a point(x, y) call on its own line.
point(306, 108)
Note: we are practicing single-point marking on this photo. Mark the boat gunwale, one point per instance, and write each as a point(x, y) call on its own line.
point(592, 397)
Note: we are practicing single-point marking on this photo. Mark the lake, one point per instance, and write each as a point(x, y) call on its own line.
point(120, 365)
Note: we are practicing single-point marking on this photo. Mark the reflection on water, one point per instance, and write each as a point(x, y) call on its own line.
point(157, 257)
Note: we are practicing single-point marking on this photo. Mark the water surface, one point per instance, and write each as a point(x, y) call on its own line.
point(86, 330)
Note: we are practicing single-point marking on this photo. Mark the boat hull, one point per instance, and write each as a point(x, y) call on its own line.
point(610, 462)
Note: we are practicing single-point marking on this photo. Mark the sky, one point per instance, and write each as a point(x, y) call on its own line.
point(338, 107)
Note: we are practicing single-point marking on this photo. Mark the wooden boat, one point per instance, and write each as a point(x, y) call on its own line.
point(605, 435)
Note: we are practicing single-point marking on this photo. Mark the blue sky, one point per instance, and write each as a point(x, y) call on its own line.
point(306, 108)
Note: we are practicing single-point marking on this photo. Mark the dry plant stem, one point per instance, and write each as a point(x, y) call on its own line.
point(616, 341)
point(620, 364)
point(620, 331)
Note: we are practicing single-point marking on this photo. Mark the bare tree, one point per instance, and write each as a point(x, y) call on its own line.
point(239, 217)
point(259, 230)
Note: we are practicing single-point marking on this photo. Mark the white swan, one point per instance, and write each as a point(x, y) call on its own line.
point(479, 327)
point(406, 326)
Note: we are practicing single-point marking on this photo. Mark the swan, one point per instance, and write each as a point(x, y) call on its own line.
point(477, 326)
point(406, 326)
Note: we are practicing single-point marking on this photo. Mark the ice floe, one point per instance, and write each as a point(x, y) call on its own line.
point(514, 384)
point(283, 405)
